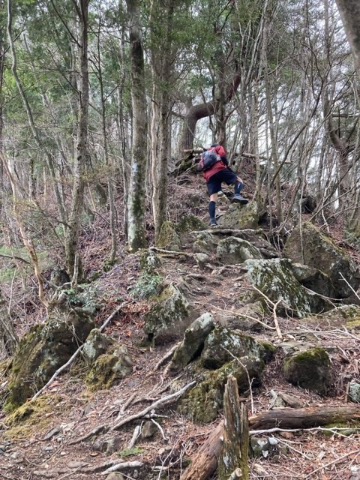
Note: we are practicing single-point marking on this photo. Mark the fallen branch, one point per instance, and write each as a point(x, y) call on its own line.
point(123, 466)
point(274, 307)
point(159, 403)
point(72, 358)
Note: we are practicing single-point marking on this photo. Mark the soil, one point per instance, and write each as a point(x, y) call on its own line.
point(46, 444)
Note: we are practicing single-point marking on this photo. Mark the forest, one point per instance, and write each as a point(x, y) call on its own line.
point(105, 110)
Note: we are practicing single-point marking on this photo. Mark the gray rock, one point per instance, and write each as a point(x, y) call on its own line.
point(193, 343)
point(148, 430)
point(115, 476)
point(309, 246)
point(168, 316)
point(275, 279)
point(96, 344)
point(235, 250)
point(222, 345)
point(354, 392)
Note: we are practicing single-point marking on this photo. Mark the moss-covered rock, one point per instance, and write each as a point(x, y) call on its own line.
point(168, 237)
point(96, 344)
point(310, 369)
point(29, 419)
point(235, 250)
point(168, 316)
point(41, 352)
point(188, 223)
point(193, 343)
point(149, 261)
point(275, 279)
point(354, 392)
point(223, 344)
point(241, 217)
point(109, 368)
point(309, 246)
point(244, 318)
point(204, 402)
point(204, 243)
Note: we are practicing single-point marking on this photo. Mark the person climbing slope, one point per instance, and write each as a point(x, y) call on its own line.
point(216, 170)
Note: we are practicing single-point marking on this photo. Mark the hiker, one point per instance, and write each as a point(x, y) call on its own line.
point(215, 167)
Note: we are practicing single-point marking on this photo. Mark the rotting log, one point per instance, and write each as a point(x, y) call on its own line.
point(205, 461)
point(235, 447)
point(304, 417)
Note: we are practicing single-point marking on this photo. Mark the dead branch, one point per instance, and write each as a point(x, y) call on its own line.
point(274, 307)
point(159, 403)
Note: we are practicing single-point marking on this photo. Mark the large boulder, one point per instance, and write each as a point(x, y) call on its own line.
point(309, 246)
point(193, 343)
point(236, 250)
point(168, 316)
point(42, 351)
point(168, 237)
point(314, 279)
point(204, 402)
point(109, 368)
point(276, 280)
point(223, 344)
point(241, 217)
point(96, 344)
point(310, 369)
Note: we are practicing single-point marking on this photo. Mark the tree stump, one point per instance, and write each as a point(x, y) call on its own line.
point(235, 448)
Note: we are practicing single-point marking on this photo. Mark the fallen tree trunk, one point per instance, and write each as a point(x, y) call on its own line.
point(305, 417)
point(205, 461)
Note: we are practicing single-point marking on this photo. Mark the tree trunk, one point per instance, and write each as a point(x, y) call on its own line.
point(304, 417)
point(136, 198)
point(350, 14)
point(235, 449)
point(77, 205)
point(162, 66)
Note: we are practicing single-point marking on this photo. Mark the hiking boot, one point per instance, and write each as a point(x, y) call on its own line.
point(213, 223)
point(237, 198)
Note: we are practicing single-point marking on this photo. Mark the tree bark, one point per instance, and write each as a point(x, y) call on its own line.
point(77, 205)
point(350, 15)
point(304, 417)
point(136, 200)
point(235, 449)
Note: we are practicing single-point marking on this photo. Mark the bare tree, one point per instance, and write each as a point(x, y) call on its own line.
point(136, 197)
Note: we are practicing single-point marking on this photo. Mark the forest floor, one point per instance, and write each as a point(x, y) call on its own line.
point(44, 444)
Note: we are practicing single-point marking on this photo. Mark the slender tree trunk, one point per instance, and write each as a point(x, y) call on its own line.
point(162, 75)
point(136, 197)
point(80, 161)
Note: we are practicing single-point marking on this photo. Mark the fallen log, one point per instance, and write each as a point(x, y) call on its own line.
point(205, 461)
point(305, 417)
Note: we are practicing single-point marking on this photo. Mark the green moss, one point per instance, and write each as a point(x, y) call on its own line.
point(168, 237)
point(148, 285)
point(310, 370)
point(131, 452)
point(204, 402)
point(108, 369)
point(189, 223)
point(30, 418)
point(353, 325)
